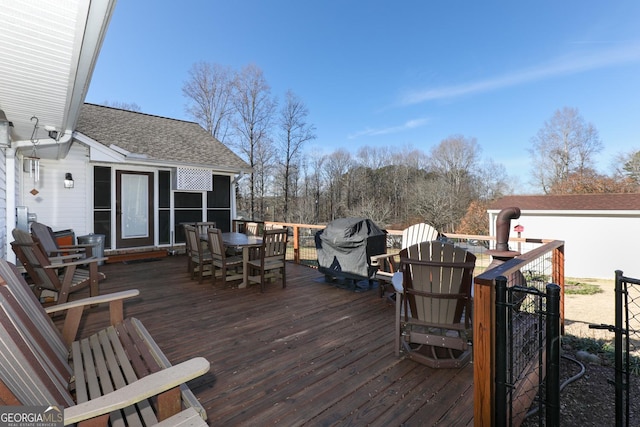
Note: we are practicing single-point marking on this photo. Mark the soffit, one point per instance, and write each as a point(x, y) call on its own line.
point(48, 50)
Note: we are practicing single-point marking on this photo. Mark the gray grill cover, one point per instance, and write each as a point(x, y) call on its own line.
point(345, 246)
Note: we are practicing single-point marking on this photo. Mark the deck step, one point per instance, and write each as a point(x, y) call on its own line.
point(136, 256)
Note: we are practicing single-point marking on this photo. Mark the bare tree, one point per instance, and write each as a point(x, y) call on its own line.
point(627, 165)
point(432, 204)
point(454, 161)
point(491, 181)
point(254, 108)
point(336, 166)
point(263, 177)
point(209, 91)
point(316, 184)
point(294, 133)
point(564, 146)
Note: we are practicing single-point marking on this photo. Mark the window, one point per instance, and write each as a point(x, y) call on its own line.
point(102, 203)
point(164, 207)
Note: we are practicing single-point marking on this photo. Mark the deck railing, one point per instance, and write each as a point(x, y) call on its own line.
point(541, 261)
point(544, 264)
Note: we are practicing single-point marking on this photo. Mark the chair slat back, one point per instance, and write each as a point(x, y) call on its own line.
point(26, 299)
point(251, 228)
point(202, 227)
point(216, 245)
point(417, 233)
point(32, 367)
point(193, 240)
point(437, 281)
point(274, 243)
point(44, 234)
point(34, 260)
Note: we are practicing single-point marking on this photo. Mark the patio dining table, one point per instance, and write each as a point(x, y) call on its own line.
point(234, 239)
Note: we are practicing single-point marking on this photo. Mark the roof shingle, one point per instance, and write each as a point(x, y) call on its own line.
point(158, 138)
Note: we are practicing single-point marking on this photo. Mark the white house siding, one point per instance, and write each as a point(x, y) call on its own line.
point(596, 242)
point(58, 207)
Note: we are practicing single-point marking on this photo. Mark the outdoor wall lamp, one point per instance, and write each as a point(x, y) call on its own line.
point(68, 180)
point(5, 140)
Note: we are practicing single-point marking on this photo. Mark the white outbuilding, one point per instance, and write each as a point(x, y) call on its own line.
point(599, 230)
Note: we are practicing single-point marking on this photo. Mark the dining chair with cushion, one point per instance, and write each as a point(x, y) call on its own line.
point(227, 265)
point(271, 259)
point(199, 256)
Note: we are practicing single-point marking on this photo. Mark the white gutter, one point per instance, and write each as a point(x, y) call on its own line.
point(93, 30)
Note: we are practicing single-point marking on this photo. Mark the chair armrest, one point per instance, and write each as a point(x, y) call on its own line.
point(382, 260)
point(60, 259)
point(144, 388)
point(68, 248)
point(376, 258)
point(82, 261)
point(74, 311)
point(93, 300)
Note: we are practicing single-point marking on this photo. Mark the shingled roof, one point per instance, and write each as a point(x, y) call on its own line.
point(570, 202)
point(157, 138)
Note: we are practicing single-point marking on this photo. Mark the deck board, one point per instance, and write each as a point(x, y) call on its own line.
point(310, 354)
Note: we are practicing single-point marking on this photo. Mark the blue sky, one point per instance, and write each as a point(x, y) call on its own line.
point(396, 74)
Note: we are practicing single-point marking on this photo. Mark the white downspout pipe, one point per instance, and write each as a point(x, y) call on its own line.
point(10, 191)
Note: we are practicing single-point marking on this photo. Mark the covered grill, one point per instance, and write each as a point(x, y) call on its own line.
point(345, 248)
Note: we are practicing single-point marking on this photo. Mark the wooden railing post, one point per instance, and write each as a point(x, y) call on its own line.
point(483, 344)
point(557, 277)
point(296, 244)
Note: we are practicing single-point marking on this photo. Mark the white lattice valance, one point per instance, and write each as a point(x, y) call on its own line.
point(193, 179)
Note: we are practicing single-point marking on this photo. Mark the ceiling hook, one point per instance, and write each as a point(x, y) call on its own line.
point(34, 140)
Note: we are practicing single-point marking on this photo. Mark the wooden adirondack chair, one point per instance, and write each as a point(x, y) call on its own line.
point(433, 317)
point(388, 263)
point(118, 376)
point(271, 258)
point(67, 274)
point(47, 239)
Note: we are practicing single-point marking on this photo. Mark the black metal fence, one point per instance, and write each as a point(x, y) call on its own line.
point(627, 342)
point(527, 353)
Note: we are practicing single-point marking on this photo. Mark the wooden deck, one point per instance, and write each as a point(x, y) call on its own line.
point(311, 354)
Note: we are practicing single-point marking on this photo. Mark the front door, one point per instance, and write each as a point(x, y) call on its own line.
point(134, 209)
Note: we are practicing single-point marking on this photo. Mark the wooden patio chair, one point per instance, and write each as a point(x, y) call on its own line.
point(118, 376)
point(62, 275)
point(433, 317)
point(251, 228)
point(388, 263)
point(200, 259)
point(271, 259)
point(228, 265)
point(273, 227)
point(47, 239)
point(203, 227)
